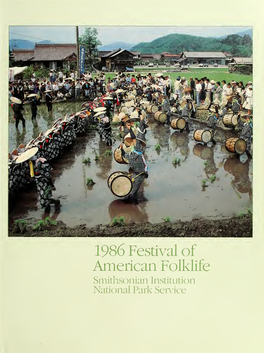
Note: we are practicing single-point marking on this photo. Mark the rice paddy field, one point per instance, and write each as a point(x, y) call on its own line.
point(216, 74)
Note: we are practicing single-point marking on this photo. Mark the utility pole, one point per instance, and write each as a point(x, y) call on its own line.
point(78, 51)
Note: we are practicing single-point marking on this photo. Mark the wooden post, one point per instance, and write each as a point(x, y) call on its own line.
point(78, 51)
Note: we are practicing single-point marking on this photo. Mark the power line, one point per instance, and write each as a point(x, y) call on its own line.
point(22, 35)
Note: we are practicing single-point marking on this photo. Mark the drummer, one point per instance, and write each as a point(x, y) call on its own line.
point(166, 109)
point(34, 103)
point(137, 162)
point(104, 127)
point(17, 107)
point(246, 134)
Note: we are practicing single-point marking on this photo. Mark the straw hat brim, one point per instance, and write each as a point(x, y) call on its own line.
point(100, 113)
point(99, 109)
point(27, 155)
point(32, 95)
point(15, 100)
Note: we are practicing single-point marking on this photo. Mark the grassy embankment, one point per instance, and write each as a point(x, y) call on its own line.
point(216, 74)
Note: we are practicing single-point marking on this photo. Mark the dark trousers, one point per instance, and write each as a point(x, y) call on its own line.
point(49, 105)
point(22, 119)
point(34, 114)
point(192, 94)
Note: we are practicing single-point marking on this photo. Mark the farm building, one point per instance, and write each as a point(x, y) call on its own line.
point(52, 56)
point(241, 64)
point(118, 60)
point(209, 58)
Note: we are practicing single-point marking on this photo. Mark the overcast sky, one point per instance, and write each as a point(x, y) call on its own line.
point(108, 35)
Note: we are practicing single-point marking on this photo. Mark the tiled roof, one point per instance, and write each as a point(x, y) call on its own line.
point(23, 55)
point(204, 54)
point(53, 52)
point(240, 60)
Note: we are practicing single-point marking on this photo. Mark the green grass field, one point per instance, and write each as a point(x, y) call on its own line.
point(216, 74)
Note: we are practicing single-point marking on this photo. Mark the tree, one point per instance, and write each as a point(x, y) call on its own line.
point(90, 42)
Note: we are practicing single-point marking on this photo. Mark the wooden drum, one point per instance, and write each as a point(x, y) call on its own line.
point(119, 184)
point(118, 157)
point(236, 144)
point(230, 120)
point(202, 135)
point(160, 116)
point(178, 123)
point(152, 108)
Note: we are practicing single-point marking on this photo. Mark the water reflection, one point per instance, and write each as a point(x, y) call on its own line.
point(240, 171)
point(135, 212)
point(180, 140)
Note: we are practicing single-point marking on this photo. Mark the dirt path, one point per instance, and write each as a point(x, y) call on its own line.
point(231, 227)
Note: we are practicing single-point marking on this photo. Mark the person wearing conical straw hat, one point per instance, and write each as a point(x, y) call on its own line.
point(104, 127)
point(48, 99)
point(17, 107)
point(40, 171)
point(137, 162)
point(34, 102)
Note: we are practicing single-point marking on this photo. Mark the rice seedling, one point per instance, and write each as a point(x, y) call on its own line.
point(108, 153)
point(176, 161)
point(89, 182)
point(212, 178)
point(206, 163)
point(166, 219)
point(96, 157)
point(204, 183)
point(118, 221)
point(39, 226)
point(249, 211)
point(157, 148)
point(87, 161)
point(241, 214)
point(50, 222)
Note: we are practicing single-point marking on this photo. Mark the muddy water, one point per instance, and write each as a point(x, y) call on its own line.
point(170, 191)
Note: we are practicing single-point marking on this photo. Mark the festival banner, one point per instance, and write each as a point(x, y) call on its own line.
point(82, 59)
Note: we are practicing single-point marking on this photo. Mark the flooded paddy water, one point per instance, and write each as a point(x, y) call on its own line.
point(169, 191)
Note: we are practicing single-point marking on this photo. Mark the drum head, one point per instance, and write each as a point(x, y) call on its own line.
point(206, 136)
point(181, 123)
point(154, 108)
point(162, 117)
point(234, 120)
point(112, 176)
point(240, 146)
point(121, 186)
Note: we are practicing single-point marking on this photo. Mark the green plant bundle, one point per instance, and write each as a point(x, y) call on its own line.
point(89, 182)
point(49, 222)
point(108, 153)
point(212, 179)
point(86, 161)
point(204, 182)
point(157, 147)
point(206, 163)
point(96, 157)
point(39, 226)
point(118, 221)
point(166, 219)
point(176, 161)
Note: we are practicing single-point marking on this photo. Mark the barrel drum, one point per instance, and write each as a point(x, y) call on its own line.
point(178, 123)
point(230, 120)
point(236, 145)
point(152, 108)
point(160, 116)
point(202, 135)
point(119, 158)
point(120, 184)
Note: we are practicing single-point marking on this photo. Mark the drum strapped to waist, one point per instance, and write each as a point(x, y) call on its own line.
point(202, 135)
point(152, 108)
point(236, 144)
point(230, 120)
point(119, 157)
point(120, 184)
point(160, 116)
point(178, 123)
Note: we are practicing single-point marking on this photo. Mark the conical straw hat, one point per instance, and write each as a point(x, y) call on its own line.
point(15, 100)
point(27, 155)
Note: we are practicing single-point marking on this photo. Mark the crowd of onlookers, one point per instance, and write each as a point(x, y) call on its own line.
point(87, 86)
